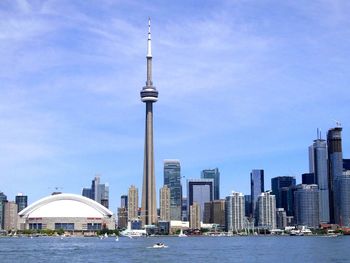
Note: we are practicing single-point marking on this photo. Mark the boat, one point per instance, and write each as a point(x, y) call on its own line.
point(159, 245)
point(182, 234)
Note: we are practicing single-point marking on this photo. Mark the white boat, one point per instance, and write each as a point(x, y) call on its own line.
point(182, 234)
point(159, 245)
point(106, 235)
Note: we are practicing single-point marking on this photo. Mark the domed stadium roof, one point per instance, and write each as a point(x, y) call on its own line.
point(65, 205)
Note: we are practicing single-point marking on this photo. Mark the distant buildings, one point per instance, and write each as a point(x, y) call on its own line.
point(248, 205)
point(215, 175)
point(266, 210)
point(281, 218)
point(123, 212)
point(10, 216)
point(308, 178)
point(214, 212)
point(256, 188)
point(21, 201)
point(277, 185)
point(195, 216)
point(133, 203)
point(172, 178)
point(164, 203)
point(235, 212)
point(306, 198)
point(98, 192)
point(3, 200)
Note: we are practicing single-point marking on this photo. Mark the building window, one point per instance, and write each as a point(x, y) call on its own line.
point(64, 226)
point(36, 226)
point(94, 226)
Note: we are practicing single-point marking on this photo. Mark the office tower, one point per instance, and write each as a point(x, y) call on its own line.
point(287, 199)
point(256, 188)
point(248, 205)
point(214, 212)
point(172, 178)
point(306, 198)
point(346, 164)
point(21, 201)
point(277, 183)
point(3, 199)
point(319, 167)
point(133, 203)
point(234, 212)
point(10, 216)
point(195, 216)
point(149, 95)
point(343, 191)
point(122, 217)
point(184, 214)
point(215, 175)
point(335, 170)
point(98, 192)
point(199, 191)
point(266, 208)
point(164, 203)
point(281, 218)
point(308, 178)
point(124, 201)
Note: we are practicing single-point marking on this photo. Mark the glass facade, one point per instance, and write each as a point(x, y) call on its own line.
point(94, 226)
point(172, 179)
point(256, 188)
point(308, 178)
point(277, 184)
point(306, 198)
point(215, 175)
point(35, 226)
point(98, 192)
point(343, 188)
point(21, 201)
point(64, 226)
point(3, 199)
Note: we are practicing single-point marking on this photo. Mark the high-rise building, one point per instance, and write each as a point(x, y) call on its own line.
point(346, 164)
point(10, 216)
point(287, 199)
point(124, 201)
point(248, 205)
point(133, 203)
point(256, 188)
point(98, 192)
point(164, 203)
point(172, 178)
point(3, 199)
point(281, 218)
point(200, 191)
point(234, 212)
point(21, 201)
point(306, 198)
point(149, 95)
point(214, 212)
point(342, 184)
point(122, 217)
point(335, 170)
point(308, 178)
point(277, 183)
point(195, 216)
point(215, 175)
point(319, 167)
point(184, 214)
point(266, 207)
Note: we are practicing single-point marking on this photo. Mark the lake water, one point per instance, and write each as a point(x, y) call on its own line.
point(191, 249)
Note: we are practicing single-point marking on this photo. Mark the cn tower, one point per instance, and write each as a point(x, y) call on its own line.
point(149, 95)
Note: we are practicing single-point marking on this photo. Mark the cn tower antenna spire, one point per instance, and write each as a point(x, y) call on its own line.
point(149, 41)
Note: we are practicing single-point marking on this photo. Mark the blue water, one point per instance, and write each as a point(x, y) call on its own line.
point(192, 249)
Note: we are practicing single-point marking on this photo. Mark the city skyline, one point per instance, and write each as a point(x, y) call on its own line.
point(241, 89)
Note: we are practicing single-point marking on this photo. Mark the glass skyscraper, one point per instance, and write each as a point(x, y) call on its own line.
point(256, 188)
point(172, 179)
point(277, 183)
point(215, 175)
point(3, 199)
point(98, 192)
point(306, 198)
point(21, 201)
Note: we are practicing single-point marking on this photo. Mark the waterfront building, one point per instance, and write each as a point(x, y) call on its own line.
point(256, 188)
point(98, 192)
point(266, 210)
point(149, 95)
point(248, 205)
point(319, 167)
point(234, 212)
point(281, 218)
point(287, 199)
point(133, 203)
point(184, 215)
point(214, 212)
point(308, 178)
point(343, 188)
point(306, 198)
point(335, 170)
point(172, 178)
point(277, 183)
point(199, 191)
point(21, 201)
point(3, 199)
point(195, 216)
point(164, 203)
point(207, 215)
point(122, 217)
point(10, 216)
point(215, 175)
point(69, 212)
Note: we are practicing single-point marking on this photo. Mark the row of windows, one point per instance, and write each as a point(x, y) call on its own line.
point(94, 226)
point(36, 226)
point(64, 226)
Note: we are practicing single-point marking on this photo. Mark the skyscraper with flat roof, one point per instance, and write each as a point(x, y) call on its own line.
point(277, 183)
point(256, 188)
point(215, 175)
point(195, 216)
point(3, 199)
point(98, 192)
point(149, 95)
point(21, 201)
point(234, 212)
point(306, 198)
point(164, 203)
point(10, 216)
point(172, 178)
point(133, 203)
point(266, 210)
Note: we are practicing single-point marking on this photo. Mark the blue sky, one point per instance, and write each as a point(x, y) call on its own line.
point(242, 85)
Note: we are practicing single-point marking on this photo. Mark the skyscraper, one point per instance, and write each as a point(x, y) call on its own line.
point(266, 208)
point(3, 199)
point(234, 212)
point(343, 189)
point(319, 167)
point(281, 218)
point(214, 212)
point(306, 198)
point(335, 170)
point(164, 203)
point(133, 203)
point(277, 183)
point(123, 201)
point(195, 216)
point(172, 178)
point(215, 175)
point(98, 192)
point(149, 95)
point(21, 201)
point(199, 191)
point(308, 178)
point(256, 188)
point(10, 216)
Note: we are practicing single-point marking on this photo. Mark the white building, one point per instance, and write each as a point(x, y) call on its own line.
point(235, 212)
point(267, 210)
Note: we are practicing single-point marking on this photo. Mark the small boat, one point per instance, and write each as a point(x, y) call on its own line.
point(159, 245)
point(182, 234)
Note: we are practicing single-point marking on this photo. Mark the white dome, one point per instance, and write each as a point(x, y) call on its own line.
point(65, 205)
